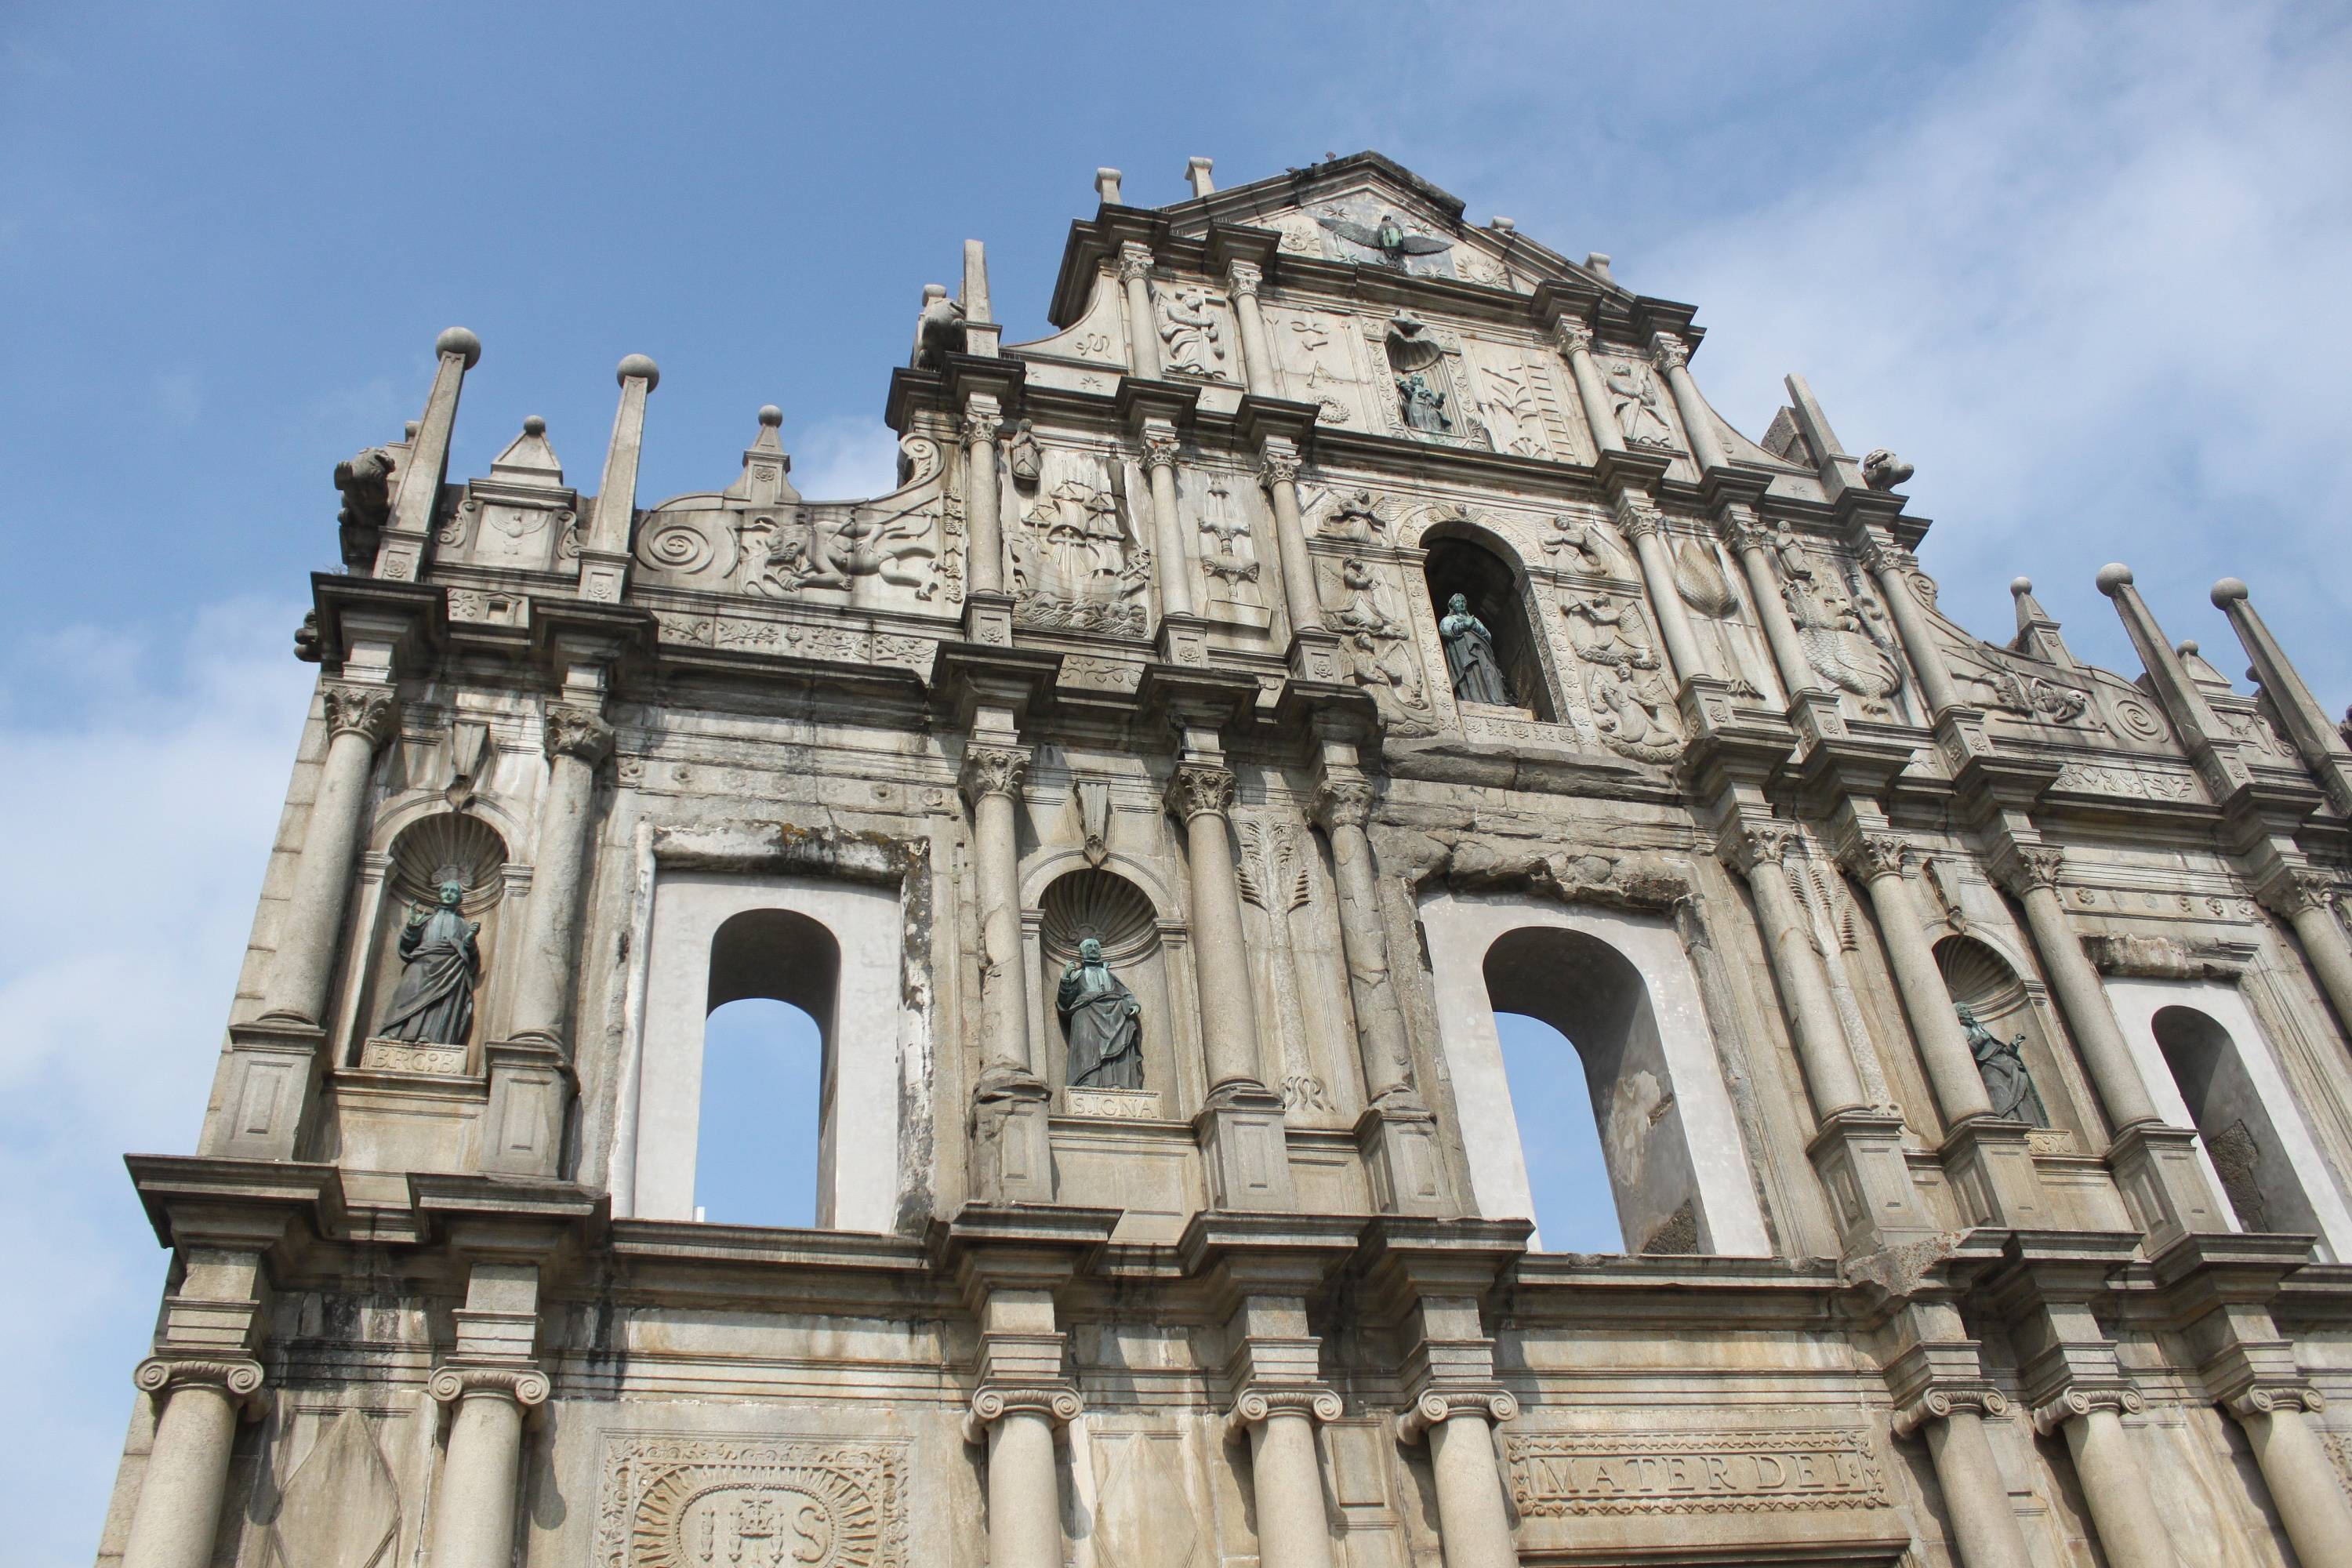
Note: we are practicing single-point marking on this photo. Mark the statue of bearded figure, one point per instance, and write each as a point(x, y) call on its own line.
point(441, 966)
point(1104, 1022)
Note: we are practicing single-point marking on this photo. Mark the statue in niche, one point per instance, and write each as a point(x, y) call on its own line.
point(440, 966)
point(1422, 406)
point(1633, 399)
point(2003, 1067)
point(1190, 332)
point(1470, 661)
point(1104, 1023)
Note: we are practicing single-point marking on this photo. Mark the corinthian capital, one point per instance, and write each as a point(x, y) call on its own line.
point(577, 732)
point(1743, 530)
point(1343, 803)
point(1765, 843)
point(370, 711)
point(1198, 789)
point(1871, 856)
point(1159, 443)
point(993, 770)
point(1277, 464)
point(1134, 261)
point(1571, 337)
point(2032, 866)
point(2297, 891)
point(1636, 517)
point(983, 421)
point(1242, 279)
point(1667, 351)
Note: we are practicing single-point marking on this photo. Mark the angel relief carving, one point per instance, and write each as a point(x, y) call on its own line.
point(1632, 707)
point(1376, 642)
point(1192, 338)
point(1387, 240)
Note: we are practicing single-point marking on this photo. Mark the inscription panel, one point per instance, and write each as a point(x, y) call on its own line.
point(1567, 1475)
point(676, 1501)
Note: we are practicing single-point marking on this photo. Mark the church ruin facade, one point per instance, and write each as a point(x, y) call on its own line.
point(1350, 624)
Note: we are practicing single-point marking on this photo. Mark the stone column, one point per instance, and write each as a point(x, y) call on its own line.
point(2302, 1480)
point(2301, 898)
point(1753, 545)
point(2115, 1482)
point(1200, 794)
point(983, 419)
point(1160, 449)
point(1142, 326)
point(577, 740)
point(1344, 806)
point(1976, 1500)
point(180, 1497)
point(1889, 568)
point(1640, 521)
point(1573, 339)
point(1877, 860)
point(474, 1522)
point(1292, 1531)
point(2032, 872)
point(604, 554)
point(1475, 1529)
point(1822, 1053)
point(1242, 281)
point(1279, 472)
point(1024, 1492)
point(1010, 1112)
point(360, 719)
point(1672, 356)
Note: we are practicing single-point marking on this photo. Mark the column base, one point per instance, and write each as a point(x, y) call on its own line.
point(1012, 1150)
point(1315, 656)
point(530, 1099)
point(1241, 1142)
point(1991, 1169)
point(2163, 1185)
point(988, 618)
point(1859, 1157)
point(271, 1077)
point(1398, 1147)
point(1183, 640)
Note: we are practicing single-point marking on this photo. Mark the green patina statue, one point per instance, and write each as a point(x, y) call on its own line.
point(2006, 1079)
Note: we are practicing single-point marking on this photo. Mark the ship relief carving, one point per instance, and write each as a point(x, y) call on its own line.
point(690, 1503)
point(1076, 566)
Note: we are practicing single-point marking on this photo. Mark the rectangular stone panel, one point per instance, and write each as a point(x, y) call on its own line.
point(1561, 1475)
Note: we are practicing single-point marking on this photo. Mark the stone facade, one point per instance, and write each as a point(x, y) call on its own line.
point(1145, 649)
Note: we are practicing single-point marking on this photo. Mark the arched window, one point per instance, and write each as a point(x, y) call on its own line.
point(1498, 598)
point(2240, 1139)
point(760, 1153)
point(1568, 1171)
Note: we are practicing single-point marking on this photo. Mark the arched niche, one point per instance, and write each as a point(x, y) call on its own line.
point(1622, 989)
point(1461, 558)
point(422, 851)
point(1090, 901)
point(1980, 979)
point(831, 949)
point(2209, 1065)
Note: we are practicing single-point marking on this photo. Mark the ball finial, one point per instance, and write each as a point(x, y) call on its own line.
point(771, 416)
point(2188, 648)
point(532, 424)
point(2019, 585)
point(2113, 576)
point(640, 366)
point(458, 340)
point(2228, 592)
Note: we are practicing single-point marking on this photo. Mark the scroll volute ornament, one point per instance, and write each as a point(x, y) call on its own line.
point(370, 711)
point(1198, 789)
point(578, 732)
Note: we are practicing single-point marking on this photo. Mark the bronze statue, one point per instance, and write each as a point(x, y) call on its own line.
point(441, 966)
point(1470, 658)
point(2006, 1079)
point(1104, 1022)
point(1423, 405)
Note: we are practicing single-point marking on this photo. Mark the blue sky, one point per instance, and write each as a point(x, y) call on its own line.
point(2083, 263)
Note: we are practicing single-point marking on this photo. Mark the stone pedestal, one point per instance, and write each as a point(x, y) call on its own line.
point(1241, 1142)
point(1990, 1165)
point(531, 1086)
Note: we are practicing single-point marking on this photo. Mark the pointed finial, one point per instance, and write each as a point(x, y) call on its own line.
point(1106, 186)
point(640, 368)
point(458, 340)
point(1196, 172)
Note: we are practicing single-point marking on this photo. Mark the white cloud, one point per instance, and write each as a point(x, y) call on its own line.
point(845, 458)
point(2092, 285)
point(144, 784)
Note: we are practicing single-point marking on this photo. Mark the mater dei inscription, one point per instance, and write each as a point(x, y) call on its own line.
point(1350, 623)
point(1560, 1474)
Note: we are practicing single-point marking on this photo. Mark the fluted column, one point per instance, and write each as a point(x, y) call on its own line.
point(1640, 521)
point(2301, 898)
point(180, 1494)
point(2115, 1482)
point(1976, 1500)
point(1277, 470)
point(1242, 279)
point(360, 720)
point(1200, 794)
point(474, 1522)
point(1573, 339)
point(1877, 860)
point(1344, 806)
point(1292, 1531)
point(983, 419)
point(1889, 567)
point(2295, 1468)
point(1822, 1053)
point(1472, 1525)
point(1753, 545)
point(577, 740)
point(1159, 451)
point(2032, 872)
point(1672, 356)
point(1142, 326)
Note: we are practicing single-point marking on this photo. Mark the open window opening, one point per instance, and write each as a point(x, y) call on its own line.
point(2257, 1175)
point(1597, 1003)
point(1568, 1171)
point(1496, 595)
point(763, 1150)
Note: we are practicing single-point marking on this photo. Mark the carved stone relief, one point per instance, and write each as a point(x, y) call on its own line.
point(1275, 876)
point(1556, 1475)
point(1632, 707)
point(1637, 404)
point(1424, 371)
point(1364, 605)
point(1709, 585)
point(688, 1503)
point(1390, 241)
point(1838, 627)
point(1230, 569)
point(1076, 564)
point(1312, 354)
point(1191, 332)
